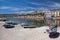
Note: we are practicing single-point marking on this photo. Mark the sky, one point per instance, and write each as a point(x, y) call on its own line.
point(27, 6)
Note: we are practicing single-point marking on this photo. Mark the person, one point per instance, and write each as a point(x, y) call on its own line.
point(52, 28)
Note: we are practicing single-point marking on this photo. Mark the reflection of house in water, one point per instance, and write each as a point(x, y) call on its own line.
point(57, 22)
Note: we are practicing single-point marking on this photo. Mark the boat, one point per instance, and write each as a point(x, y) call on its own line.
point(11, 22)
point(26, 25)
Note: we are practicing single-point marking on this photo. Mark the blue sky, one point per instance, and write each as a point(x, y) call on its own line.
point(26, 6)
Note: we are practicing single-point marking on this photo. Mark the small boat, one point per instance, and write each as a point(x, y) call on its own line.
point(8, 26)
point(26, 25)
point(2, 19)
point(11, 22)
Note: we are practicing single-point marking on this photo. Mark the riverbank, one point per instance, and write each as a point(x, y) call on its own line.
point(19, 33)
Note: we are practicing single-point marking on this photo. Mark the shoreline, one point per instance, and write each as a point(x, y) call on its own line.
point(20, 33)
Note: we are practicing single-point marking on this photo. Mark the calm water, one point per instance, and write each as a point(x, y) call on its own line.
point(33, 22)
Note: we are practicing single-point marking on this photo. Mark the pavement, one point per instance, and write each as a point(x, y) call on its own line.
point(20, 33)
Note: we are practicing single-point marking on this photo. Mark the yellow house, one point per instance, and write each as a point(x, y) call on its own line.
point(57, 13)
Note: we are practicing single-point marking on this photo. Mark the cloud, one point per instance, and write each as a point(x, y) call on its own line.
point(28, 9)
point(4, 7)
point(49, 4)
point(34, 3)
point(16, 9)
point(10, 8)
point(55, 5)
point(24, 12)
point(42, 8)
point(22, 8)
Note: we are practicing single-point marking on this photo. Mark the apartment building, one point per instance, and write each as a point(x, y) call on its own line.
point(56, 13)
point(50, 13)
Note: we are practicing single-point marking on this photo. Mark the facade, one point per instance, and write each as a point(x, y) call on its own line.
point(47, 14)
point(54, 13)
point(57, 14)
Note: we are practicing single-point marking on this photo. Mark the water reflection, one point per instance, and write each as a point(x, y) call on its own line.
point(33, 22)
point(57, 22)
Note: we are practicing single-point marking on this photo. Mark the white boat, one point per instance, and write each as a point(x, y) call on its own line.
point(26, 25)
